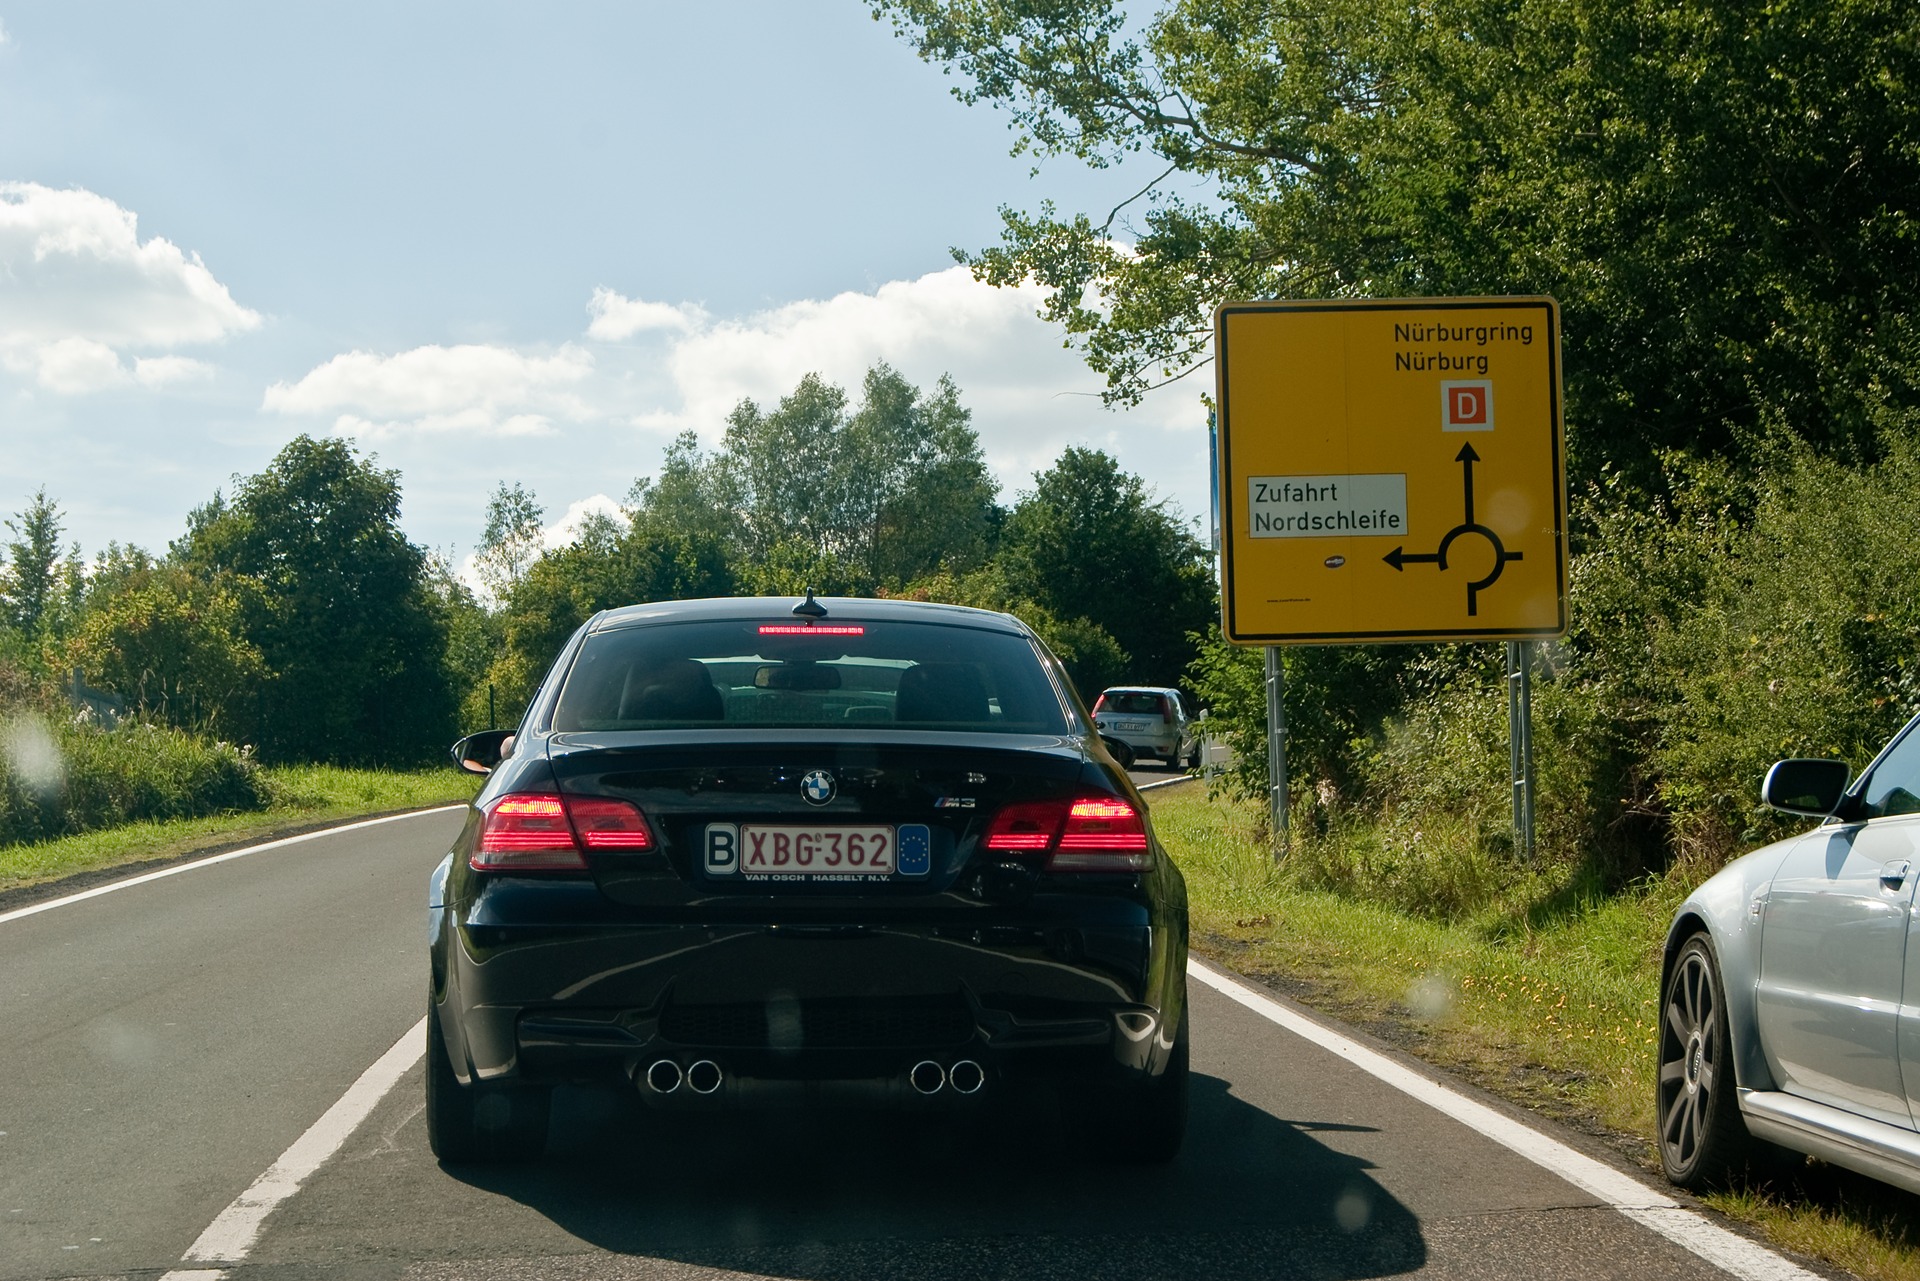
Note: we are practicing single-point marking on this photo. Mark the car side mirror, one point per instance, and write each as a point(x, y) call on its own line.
point(482, 753)
point(1809, 787)
point(1119, 751)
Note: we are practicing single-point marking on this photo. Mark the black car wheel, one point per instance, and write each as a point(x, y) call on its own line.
point(1136, 1124)
point(1703, 1139)
point(479, 1122)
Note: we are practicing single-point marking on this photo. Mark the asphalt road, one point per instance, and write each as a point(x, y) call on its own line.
point(165, 1044)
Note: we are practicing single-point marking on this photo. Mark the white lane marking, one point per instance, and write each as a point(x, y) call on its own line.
point(231, 1235)
point(230, 855)
point(1165, 782)
point(1726, 1250)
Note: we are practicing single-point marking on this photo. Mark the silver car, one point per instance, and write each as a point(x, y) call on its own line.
point(1151, 720)
point(1790, 994)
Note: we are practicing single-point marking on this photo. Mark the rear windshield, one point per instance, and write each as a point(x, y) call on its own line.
point(1132, 702)
point(906, 675)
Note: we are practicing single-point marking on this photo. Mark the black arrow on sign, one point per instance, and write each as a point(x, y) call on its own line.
point(1398, 558)
point(1467, 458)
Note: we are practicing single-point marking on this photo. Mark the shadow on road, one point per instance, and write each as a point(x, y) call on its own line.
point(859, 1197)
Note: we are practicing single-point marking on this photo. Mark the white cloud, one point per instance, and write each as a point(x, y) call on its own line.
point(473, 388)
point(161, 371)
point(566, 531)
point(616, 317)
point(71, 366)
point(76, 281)
point(544, 411)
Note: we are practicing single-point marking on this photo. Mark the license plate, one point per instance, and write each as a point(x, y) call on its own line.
point(1129, 727)
point(780, 850)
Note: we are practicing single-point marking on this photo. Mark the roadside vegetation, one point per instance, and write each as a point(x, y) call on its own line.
point(290, 798)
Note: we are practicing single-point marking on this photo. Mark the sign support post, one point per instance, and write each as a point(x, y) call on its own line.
point(1520, 743)
point(1276, 752)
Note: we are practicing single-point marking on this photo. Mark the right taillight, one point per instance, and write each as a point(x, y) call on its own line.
point(1103, 834)
point(1092, 834)
point(545, 832)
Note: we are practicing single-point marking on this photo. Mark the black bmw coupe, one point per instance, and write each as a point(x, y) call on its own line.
point(751, 852)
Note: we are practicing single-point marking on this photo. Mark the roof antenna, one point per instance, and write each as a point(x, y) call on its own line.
point(810, 608)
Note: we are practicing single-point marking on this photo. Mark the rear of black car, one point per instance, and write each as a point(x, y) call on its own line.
point(744, 855)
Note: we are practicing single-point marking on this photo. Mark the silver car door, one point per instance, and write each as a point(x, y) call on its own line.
point(1832, 965)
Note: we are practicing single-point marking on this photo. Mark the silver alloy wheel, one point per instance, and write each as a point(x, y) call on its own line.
point(1690, 1055)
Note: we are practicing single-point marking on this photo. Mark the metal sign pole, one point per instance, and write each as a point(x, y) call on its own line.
point(1520, 742)
point(1276, 752)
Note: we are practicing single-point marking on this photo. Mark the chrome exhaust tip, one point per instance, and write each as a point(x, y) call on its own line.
point(704, 1077)
point(927, 1077)
point(663, 1077)
point(966, 1077)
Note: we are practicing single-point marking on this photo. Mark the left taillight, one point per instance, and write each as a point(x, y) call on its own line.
point(1092, 834)
point(546, 832)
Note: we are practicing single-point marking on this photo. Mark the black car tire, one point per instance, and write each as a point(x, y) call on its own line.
point(1703, 1139)
point(1136, 1124)
point(480, 1122)
point(1193, 755)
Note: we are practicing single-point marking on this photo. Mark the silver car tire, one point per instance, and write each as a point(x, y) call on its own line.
point(1702, 1138)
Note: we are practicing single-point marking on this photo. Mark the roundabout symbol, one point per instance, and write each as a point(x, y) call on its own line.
point(1398, 557)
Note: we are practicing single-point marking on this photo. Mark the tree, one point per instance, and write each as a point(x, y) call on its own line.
point(1721, 196)
point(170, 642)
point(511, 539)
point(608, 567)
point(850, 498)
point(475, 635)
point(340, 607)
point(1092, 658)
point(30, 585)
point(933, 499)
point(1090, 542)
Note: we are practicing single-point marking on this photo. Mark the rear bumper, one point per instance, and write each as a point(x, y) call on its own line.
point(1148, 744)
point(810, 1004)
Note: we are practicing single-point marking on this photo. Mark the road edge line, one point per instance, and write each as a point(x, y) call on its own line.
point(1164, 782)
point(1726, 1250)
point(34, 909)
point(232, 1234)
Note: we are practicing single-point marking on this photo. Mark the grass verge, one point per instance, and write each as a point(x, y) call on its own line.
point(301, 796)
point(1558, 1016)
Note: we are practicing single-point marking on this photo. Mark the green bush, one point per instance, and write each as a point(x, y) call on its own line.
point(1433, 829)
point(1805, 642)
point(61, 778)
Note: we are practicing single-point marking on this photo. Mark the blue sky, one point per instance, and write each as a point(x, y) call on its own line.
point(493, 241)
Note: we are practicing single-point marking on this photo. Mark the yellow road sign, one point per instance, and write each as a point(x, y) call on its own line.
point(1391, 471)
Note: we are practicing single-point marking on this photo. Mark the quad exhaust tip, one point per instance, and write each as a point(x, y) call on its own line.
point(704, 1077)
point(966, 1077)
point(663, 1077)
point(927, 1077)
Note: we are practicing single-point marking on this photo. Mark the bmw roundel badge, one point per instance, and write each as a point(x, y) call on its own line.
point(818, 787)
